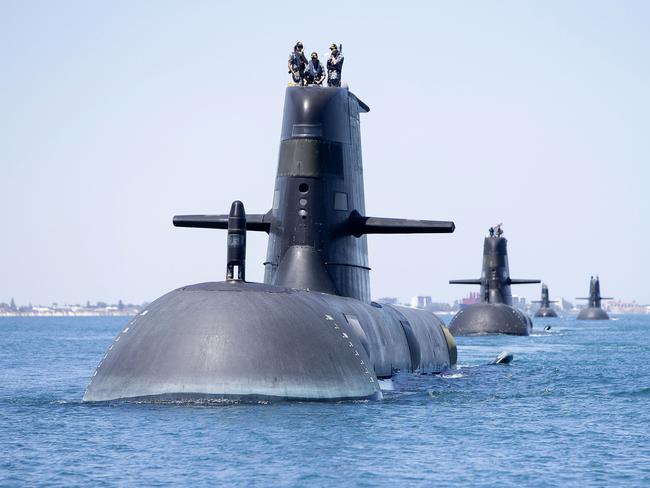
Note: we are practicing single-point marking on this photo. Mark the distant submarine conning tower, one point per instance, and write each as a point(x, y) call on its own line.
point(545, 309)
point(594, 310)
point(310, 331)
point(495, 314)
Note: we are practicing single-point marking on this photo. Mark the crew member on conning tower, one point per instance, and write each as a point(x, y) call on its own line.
point(314, 74)
point(334, 66)
point(297, 64)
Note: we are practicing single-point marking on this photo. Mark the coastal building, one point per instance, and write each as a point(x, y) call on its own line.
point(421, 301)
point(620, 306)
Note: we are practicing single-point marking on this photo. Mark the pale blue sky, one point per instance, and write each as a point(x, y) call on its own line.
point(117, 115)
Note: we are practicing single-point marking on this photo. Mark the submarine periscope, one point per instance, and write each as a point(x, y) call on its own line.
point(310, 331)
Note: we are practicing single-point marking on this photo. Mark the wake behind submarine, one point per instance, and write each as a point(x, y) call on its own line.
point(593, 310)
point(545, 309)
point(310, 331)
point(495, 314)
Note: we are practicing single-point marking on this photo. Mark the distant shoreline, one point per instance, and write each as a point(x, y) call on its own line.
point(70, 314)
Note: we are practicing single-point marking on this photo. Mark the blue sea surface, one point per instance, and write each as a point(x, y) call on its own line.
point(572, 409)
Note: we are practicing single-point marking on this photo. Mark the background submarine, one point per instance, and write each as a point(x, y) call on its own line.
point(593, 310)
point(495, 314)
point(309, 331)
point(545, 309)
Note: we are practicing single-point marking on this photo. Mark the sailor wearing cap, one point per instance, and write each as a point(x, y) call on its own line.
point(297, 64)
point(314, 74)
point(334, 66)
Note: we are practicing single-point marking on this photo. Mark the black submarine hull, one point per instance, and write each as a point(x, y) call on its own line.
point(310, 332)
point(248, 341)
point(592, 313)
point(546, 312)
point(490, 318)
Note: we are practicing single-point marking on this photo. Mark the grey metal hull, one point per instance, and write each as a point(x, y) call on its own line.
point(545, 312)
point(490, 318)
point(593, 313)
point(310, 332)
point(252, 341)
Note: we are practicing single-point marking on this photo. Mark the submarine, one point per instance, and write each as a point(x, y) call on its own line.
point(594, 310)
point(495, 313)
point(308, 332)
point(545, 309)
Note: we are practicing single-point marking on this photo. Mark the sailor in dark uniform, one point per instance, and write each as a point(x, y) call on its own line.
point(314, 74)
point(297, 64)
point(334, 66)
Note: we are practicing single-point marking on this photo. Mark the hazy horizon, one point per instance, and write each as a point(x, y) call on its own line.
point(117, 116)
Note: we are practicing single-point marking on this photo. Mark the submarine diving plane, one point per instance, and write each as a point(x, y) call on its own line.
point(310, 331)
point(594, 311)
point(495, 313)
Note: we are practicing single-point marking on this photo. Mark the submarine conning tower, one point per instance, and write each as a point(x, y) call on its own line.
point(495, 273)
point(319, 183)
point(545, 299)
point(317, 224)
point(495, 278)
point(595, 299)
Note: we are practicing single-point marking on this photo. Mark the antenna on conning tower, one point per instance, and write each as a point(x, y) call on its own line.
point(236, 256)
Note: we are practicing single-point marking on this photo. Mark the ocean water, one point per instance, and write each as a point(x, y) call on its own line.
point(572, 409)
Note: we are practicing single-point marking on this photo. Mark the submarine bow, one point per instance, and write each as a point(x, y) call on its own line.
point(310, 331)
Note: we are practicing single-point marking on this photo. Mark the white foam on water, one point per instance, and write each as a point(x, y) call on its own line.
point(453, 376)
point(387, 384)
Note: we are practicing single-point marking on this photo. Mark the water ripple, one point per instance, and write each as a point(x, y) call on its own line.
point(570, 410)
